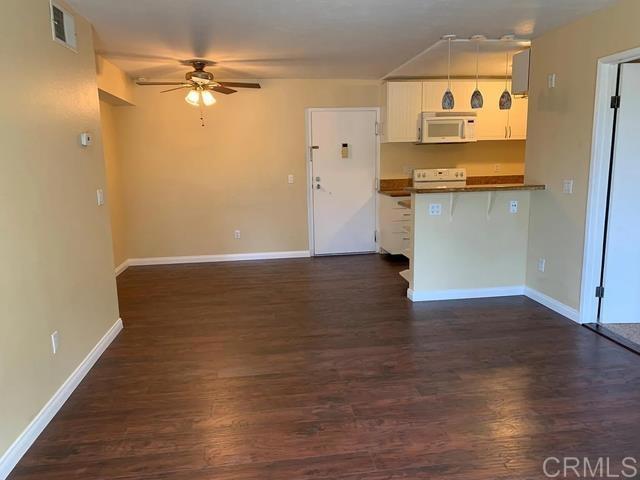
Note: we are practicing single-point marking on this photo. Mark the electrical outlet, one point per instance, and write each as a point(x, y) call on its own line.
point(407, 170)
point(435, 209)
point(290, 178)
point(100, 197)
point(497, 167)
point(54, 342)
point(542, 263)
point(513, 206)
point(567, 187)
point(551, 80)
point(236, 234)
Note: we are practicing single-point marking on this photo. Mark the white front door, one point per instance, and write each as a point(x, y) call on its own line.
point(344, 153)
point(621, 301)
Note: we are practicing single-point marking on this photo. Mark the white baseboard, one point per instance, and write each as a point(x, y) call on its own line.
point(558, 307)
point(459, 294)
point(15, 452)
point(231, 257)
point(122, 267)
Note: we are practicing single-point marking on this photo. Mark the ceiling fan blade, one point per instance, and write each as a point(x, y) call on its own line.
point(144, 82)
point(240, 84)
point(221, 89)
point(175, 88)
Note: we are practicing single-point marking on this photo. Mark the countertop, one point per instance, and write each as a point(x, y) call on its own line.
point(395, 193)
point(476, 188)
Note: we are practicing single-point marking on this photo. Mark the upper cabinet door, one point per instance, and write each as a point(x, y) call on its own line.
point(518, 119)
point(403, 104)
point(433, 90)
point(493, 123)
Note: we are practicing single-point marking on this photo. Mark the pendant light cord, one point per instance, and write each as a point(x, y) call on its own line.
point(506, 74)
point(477, 63)
point(449, 68)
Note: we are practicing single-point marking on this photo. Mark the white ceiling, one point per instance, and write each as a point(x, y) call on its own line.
point(309, 38)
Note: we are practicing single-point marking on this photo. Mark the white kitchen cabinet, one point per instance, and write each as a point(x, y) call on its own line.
point(493, 123)
point(402, 107)
point(518, 119)
point(403, 103)
point(394, 223)
point(496, 124)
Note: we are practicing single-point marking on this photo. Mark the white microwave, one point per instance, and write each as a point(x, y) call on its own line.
point(447, 127)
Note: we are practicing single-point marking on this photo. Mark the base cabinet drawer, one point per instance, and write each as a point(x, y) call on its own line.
point(395, 225)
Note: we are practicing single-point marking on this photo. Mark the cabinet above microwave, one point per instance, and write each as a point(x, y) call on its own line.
point(404, 101)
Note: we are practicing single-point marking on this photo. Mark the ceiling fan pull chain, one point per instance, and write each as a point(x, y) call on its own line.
point(201, 115)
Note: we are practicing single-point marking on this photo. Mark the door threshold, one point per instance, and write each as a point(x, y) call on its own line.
point(614, 337)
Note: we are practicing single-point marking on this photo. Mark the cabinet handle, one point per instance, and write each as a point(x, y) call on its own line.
point(419, 134)
point(509, 131)
point(505, 132)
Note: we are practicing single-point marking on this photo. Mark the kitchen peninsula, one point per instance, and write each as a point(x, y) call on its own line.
point(467, 241)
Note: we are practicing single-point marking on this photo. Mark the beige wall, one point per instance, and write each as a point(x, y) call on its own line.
point(478, 158)
point(114, 180)
point(114, 85)
point(559, 140)
point(55, 243)
point(187, 187)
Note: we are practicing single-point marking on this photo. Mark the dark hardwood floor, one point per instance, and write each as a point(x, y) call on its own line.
point(322, 369)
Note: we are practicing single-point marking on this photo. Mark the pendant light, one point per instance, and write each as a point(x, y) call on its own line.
point(448, 102)
point(505, 98)
point(477, 101)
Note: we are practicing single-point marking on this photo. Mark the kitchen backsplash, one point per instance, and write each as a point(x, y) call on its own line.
point(487, 158)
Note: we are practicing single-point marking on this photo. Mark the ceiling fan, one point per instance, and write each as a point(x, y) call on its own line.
point(200, 84)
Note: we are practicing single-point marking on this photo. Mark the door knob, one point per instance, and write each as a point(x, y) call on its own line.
point(317, 179)
point(318, 186)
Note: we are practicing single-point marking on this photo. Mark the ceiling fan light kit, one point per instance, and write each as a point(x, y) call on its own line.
point(200, 84)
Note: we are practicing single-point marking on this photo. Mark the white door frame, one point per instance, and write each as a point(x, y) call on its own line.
point(309, 155)
point(598, 180)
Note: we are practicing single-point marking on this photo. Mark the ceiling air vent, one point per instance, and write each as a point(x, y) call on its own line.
point(63, 26)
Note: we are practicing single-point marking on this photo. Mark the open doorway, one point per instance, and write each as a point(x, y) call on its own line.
point(613, 306)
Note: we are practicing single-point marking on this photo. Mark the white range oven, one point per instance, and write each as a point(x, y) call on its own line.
point(439, 177)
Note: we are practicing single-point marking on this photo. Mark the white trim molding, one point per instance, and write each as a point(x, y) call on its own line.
point(555, 305)
point(12, 456)
point(602, 137)
point(122, 267)
point(460, 294)
point(231, 257)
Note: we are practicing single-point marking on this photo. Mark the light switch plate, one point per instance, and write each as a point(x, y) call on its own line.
point(54, 342)
point(290, 178)
point(567, 187)
point(100, 197)
point(551, 80)
point(435, 209)
point(542, 263)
